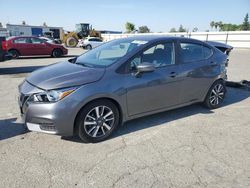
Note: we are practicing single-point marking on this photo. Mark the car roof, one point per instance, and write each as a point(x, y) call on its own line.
point(16, 37)
point(162, 37)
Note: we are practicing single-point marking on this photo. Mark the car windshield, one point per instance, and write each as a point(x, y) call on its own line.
point(109, 53)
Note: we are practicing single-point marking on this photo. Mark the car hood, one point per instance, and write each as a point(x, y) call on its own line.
point(64, 74)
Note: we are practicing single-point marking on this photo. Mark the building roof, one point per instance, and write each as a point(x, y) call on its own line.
point(40, 26)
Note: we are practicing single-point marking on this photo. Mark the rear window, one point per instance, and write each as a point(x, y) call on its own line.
point(20, 41)
point(194, 52)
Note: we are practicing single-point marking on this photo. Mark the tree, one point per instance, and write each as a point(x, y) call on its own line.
point(245, 26)
point(220, 24)
point(1, 25)
point(44, 24)
point(229, 27)
point(23, 23)
point(216, 24)
point(129, 27)
point(195, 29)
point(212, 24)
point(144, 29)
point(172, 30)
point(182, 29)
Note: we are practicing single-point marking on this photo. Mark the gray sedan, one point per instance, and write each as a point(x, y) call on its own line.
point(91, 95)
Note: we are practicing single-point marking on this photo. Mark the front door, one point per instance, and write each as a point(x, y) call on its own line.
point(155, 90)
point(39, 47)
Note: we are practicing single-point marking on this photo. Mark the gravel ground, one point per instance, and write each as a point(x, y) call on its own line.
point(187, 147)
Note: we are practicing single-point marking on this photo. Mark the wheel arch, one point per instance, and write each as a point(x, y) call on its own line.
point(217, 79)
point(56, 49)
point(115, 102)
point(15, 50)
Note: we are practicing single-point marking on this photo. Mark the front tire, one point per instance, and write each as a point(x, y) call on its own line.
point(97, 121)
point(57, 53)
point(215, 95)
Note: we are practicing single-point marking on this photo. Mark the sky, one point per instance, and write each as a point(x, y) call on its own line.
point(158, 15)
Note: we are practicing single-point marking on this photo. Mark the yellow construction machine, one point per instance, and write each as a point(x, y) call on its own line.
point(82, 30)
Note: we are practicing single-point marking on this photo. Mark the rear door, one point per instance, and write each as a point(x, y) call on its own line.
point(22, 44)
point(196, 70)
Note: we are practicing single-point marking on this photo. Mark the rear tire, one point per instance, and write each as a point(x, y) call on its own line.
point(57, 53)
point(215, 95)
point(97, 121)
point(15, 54)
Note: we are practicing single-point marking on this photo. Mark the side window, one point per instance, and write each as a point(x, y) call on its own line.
point(191, 52)
point(194, 52)
point(36, 41)
point(20, 41)
point(159, 55)
point(207, 52)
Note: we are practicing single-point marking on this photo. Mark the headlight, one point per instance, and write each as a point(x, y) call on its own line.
point(51, 96)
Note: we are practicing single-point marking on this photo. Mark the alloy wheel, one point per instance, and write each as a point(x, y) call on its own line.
point(99, 121)
point(217, 94)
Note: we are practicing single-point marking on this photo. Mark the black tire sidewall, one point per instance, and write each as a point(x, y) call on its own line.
point(88, 47)
point(207, 99)
point(57, 53)
point(14, 52)
point(81, 117)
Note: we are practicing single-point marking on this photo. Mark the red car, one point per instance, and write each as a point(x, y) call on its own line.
point(32, 46)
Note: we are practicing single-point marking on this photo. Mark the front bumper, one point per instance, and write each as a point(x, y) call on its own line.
point(52, 118)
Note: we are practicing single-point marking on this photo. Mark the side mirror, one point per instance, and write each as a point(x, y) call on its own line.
point(144, 68)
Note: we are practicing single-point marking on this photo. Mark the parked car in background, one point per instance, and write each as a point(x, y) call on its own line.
point(4, 55)
point(32, 46)
point(51, 40)
point(90, 42)
point(92, 94)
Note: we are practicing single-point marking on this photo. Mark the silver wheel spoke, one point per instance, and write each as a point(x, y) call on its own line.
point(219, 88)
point(91, 117)
point(97, 112)
point(103, 131)
point(214, 92)
point(108, 114)
point(91, 129)
point(221, 97)
point(89, 123)
point(217, 100)
point(109, 119)
point(106, 126)
point(96, 131)
point(102, 111)
point(212, 99)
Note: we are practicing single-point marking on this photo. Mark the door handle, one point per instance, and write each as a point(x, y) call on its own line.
point(173, 74)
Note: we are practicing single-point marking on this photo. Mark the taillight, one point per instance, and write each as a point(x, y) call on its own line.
point(4, 45)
